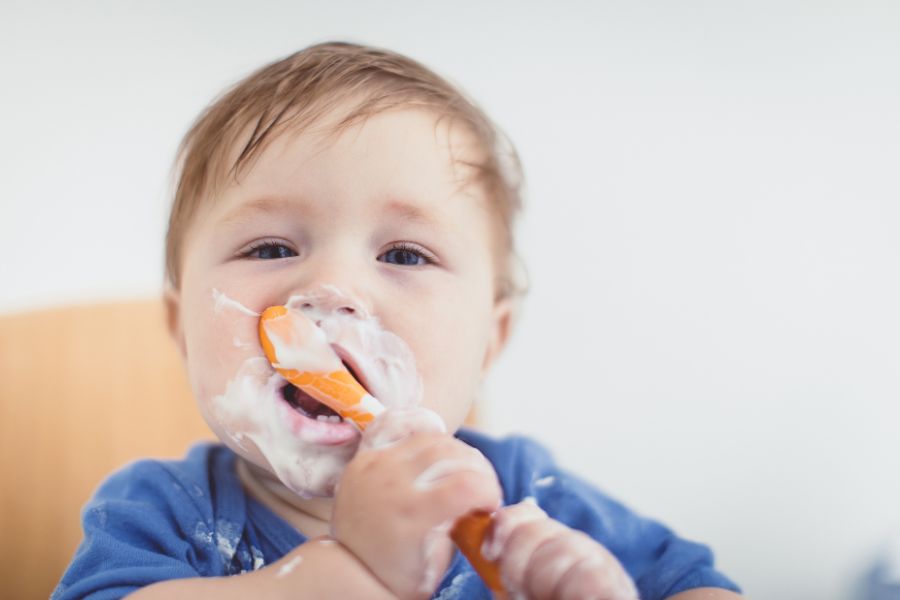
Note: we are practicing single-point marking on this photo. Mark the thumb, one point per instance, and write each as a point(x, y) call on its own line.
point(396, 424)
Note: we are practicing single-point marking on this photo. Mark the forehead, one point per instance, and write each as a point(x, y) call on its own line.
point(401, 154)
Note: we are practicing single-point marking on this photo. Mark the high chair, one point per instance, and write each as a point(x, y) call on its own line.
point(83, 391)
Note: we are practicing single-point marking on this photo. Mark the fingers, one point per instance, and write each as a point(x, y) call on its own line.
point(505, 522)
point(555, 555)
point(435, 476)
point(397, 424)
point(457, 477)
point(542, 558)
point(522, 542)
point(596, 577)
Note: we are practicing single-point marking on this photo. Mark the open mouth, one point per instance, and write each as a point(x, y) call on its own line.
point(308, 406)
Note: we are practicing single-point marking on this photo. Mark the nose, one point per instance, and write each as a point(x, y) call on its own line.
point(326, 299)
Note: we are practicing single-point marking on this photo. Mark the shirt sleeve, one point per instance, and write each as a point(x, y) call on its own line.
point(661, 563)
point(142, 526)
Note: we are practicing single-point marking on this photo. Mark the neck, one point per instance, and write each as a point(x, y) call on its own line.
point(309, 516)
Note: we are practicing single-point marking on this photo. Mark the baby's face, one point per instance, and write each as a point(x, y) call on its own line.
point(377, 221)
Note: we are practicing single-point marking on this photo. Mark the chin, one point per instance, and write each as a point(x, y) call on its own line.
point(318, 484)
point(307, 470)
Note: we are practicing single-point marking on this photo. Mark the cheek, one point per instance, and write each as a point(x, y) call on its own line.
point(218, 340)
point(449, 351)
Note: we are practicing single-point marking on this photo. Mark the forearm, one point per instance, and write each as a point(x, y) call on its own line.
point(706, 594)
point(316, 569)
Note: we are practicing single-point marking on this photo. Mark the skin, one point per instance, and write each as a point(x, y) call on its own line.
point(383, 212)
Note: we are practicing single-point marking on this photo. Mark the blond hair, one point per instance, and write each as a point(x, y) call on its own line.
point(294, 92)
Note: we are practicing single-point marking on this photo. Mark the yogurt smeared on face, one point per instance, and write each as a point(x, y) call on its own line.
point(255, 418)
point(252, 414)
point(379, 358)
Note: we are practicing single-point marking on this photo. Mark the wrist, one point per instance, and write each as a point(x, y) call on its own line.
point(340, 572)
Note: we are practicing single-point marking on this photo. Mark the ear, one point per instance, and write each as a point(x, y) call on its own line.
point(501, 326)
point(172, 302)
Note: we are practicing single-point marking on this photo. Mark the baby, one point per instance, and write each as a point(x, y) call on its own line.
point(358, 188)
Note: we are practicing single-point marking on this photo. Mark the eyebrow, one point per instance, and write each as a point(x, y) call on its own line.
point(411, 212)
point(264, 204)
point(271, 204)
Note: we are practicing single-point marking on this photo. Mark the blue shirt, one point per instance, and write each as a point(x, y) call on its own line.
point(156, 520)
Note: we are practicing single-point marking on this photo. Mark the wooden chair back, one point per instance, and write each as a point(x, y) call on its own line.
point(83, 391)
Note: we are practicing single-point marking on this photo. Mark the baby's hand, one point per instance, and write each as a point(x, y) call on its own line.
point(400, 495)
point(542, 558)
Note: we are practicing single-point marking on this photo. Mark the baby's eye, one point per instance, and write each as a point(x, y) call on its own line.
point(406, 255)
point(269, 250)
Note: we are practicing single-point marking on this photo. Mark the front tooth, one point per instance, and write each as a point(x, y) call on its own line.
point(334, 419)
point(322, 419)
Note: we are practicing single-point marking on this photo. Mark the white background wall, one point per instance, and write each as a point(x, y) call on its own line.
point(712, 230)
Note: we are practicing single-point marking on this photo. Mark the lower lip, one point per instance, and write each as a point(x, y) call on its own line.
point(319, 432)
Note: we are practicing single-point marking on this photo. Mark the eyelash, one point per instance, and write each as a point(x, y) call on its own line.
point(405, 246)
point(418, 251)
point(263, 244)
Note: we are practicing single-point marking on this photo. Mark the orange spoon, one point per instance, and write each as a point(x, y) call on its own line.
point(331, 384)
point(282, 330)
